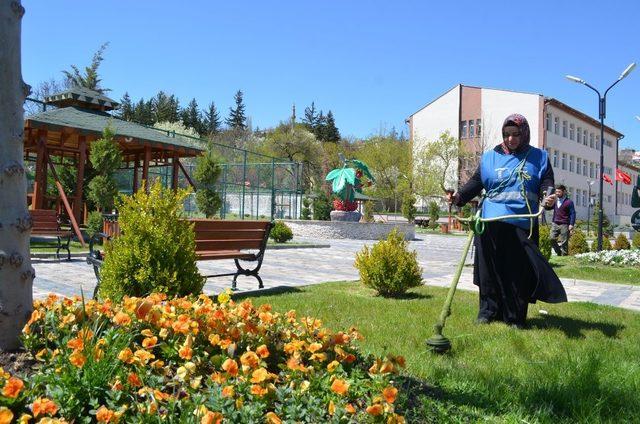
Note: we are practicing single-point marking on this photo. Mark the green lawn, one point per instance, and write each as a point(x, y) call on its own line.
point(570, 267)
point(578, 363)
point(50, 247)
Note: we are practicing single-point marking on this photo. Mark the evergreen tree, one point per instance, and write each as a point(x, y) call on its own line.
point(331, 132)
point(192, 117)
point(237, 119)
point(212, 122)
point(310, 117)
point(320, 127)
point(143, 112)
point(165, 108)
point(126, 110)
point(90, 79)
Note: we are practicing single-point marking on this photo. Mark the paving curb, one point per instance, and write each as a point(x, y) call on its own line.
point(304, 246)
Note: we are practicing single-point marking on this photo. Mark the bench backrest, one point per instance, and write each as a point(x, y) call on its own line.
point(44, 220)
point(212, 235)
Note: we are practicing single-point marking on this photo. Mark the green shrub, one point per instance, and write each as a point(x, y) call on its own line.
point(578, 243)
point(606, 244)
point(281, 233)
point(621, 243)
point(409, 206)
point(156, 251)
point(636, 241)
point(368, 211)
point(321, 207)
point(105, 157)
point(306, 210)
point(544, 242)
point(388, 267)
point(94, 223)
point(206, 175)
point(434, 211)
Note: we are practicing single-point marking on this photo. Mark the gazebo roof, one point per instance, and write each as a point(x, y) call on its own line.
point(91, 122)
point(83, 97)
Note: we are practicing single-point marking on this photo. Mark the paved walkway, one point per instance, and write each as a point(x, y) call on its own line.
point(437, 254)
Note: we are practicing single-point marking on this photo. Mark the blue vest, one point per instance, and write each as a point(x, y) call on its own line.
point(503, 184)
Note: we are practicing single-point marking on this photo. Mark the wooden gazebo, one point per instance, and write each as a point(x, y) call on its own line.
point(66, 132)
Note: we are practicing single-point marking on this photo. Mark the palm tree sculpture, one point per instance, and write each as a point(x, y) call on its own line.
point(347, 181)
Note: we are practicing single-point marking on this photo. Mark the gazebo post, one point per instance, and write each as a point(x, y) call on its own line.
point(145, 167)
point(175, 169)
point(136, 165)
point(82, 159)
point(40, 184)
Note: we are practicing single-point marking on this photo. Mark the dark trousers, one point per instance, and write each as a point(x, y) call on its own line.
point(503, 273)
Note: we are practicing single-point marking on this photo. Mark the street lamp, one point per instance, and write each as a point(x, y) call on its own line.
point(602, 105)
point(589, 206)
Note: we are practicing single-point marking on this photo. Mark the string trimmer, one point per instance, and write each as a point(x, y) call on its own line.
point(439, 343)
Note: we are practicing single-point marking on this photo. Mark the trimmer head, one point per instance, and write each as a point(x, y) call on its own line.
point(439, 343)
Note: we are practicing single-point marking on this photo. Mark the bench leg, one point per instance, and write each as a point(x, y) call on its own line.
point(65, 247)
point(247, 272)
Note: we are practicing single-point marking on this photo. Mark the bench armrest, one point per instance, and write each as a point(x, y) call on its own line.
point(95, 254)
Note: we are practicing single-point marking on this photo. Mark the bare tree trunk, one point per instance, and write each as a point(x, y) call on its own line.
point(16, 273)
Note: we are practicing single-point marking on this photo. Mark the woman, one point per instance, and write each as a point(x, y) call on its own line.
point(509, 268)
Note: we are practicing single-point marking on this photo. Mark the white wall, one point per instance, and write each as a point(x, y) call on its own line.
point(498, 104)
point(624, 195)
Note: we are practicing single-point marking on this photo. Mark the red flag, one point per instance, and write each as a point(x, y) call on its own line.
point(622, 176)
point(607, 179)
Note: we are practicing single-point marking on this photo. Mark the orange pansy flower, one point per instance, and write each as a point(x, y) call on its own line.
point(262, 351)
point(5, 415)
point(390, 394)
point(259, 375)
point(250, 359)
point(228, 391)
point(122, 318)
point(134, 379)
point(149, 342)
point(230, 366)
point(105, 415)
point(350, 408)
point(12, 387)
point(43, 406)
point(258, 390)
point(77, 359)
point(272, 418)
point(340, 386)
point(211, 418)
point(375, 410)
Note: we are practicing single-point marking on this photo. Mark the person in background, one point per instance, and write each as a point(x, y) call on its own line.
point(564, 218)
point(508, 266)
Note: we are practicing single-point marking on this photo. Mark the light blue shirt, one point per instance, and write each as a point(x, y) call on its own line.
point(560, 200)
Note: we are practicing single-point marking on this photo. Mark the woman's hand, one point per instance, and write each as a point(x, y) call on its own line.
point(450, 196)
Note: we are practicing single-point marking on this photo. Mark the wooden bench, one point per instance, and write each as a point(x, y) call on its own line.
point(239, 240)
point(46, 222)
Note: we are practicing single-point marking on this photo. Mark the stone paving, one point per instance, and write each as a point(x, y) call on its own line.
point(437, 254)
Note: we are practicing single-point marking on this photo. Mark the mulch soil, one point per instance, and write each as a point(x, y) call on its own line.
point(18, 363)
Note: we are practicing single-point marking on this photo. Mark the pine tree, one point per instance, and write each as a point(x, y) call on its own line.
point(310, 117)
point(90, 79)
point(165, 108)
point(192, 117)
point(143, 112)
point(212, 122)
point(126, 108)
point(237, 119)
point(320, 127)
point(331, 132)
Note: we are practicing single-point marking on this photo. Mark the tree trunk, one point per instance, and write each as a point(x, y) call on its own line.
point(16, 273)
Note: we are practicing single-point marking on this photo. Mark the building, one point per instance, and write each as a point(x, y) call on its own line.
point(624, 210)
point(572, 138)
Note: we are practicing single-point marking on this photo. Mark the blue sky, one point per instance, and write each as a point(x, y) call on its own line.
point(373, 63)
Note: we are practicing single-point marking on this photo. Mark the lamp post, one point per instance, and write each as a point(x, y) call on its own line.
point(602, 111)
point(589, 207)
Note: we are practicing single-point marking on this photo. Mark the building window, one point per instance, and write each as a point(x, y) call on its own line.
point(585, 170)
point(555, 158)
point(463, 129)
point(556, 125)
point(579, 135)
point(479, 127)
point(471, 132)
point(572, 131)
point(597, 142)
point(564, 129)
point(591, 170)
point(608, 198)
point(578, 166)
point(564, 161)
point(591, 140)
point(548, 122)
point(571, 168)
point(584, 138)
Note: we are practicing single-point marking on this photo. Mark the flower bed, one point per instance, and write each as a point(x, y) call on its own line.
point(613, 257)
point(193, 360)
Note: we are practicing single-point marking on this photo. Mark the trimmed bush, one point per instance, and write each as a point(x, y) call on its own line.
point(409, 206)
point(388, 267)
point(206, 174)
point(306, 209)
point(544, 243)
point(368, 211)
point(621, 243)
point(281, 233)
point(578, 243)
point(156, 251)
point(322, 207)
point(95, 223)
point(635, 242)
point(606, 244)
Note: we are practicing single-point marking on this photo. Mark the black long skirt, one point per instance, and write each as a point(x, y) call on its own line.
point(511, 273)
